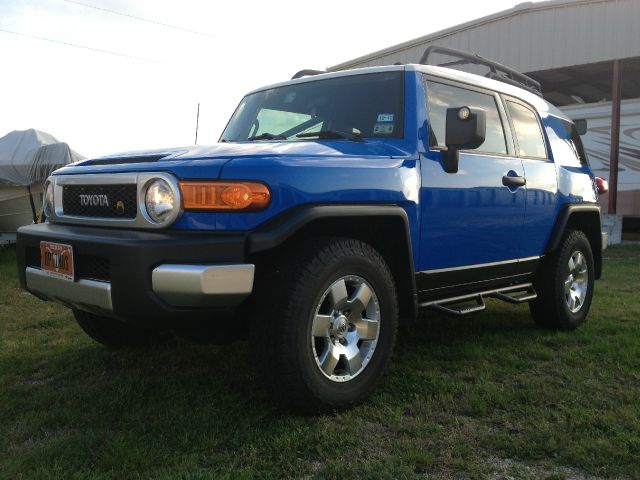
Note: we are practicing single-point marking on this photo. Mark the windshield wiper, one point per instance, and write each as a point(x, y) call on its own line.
point(267, 136)
point(356, 137)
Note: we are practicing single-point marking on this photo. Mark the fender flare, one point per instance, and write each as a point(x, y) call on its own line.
point(278, 230)
point(561, 224)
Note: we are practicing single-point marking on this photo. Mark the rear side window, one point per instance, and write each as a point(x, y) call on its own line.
point(528, 132)
point(577, 142)
point(441, 96)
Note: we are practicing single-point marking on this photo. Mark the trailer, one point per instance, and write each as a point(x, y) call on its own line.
point(597, 142)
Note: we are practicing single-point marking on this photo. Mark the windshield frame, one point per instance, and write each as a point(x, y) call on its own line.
point(400, 126)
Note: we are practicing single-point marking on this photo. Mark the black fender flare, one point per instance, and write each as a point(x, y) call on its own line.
point(278, 230)
point(562, 221)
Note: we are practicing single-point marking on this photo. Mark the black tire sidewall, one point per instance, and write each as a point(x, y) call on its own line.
point(350, 391)
point(289, 293)
point(575, 241)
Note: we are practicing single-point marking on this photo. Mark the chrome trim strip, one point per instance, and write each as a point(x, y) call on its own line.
point(142, 220)
point(203, 285)
point(482, 265)
point(83, 294)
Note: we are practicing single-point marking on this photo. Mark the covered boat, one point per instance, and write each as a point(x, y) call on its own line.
point(27, 158)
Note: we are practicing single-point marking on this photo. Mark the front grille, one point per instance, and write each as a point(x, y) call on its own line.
point(32, 257)
point(93, 268)
point(88, 267)
point(100, 201)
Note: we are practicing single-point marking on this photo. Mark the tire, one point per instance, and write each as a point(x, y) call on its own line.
point(114, 333)
point(565, 284)
point(314, 350)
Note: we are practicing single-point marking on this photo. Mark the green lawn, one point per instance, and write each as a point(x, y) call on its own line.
point(485, 395)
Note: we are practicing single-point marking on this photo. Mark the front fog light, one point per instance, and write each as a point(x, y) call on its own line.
point(159, 201)
point(47, 199)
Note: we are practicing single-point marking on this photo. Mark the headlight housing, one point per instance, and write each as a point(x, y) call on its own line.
point(47, 199)
point(160, 202)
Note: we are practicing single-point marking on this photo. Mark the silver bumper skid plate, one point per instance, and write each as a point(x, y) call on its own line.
point(203, 285)
point(178, 285)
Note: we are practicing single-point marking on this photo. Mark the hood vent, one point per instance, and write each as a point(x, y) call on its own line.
point(129, 159)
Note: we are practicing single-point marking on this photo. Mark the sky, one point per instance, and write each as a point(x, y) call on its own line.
point(144, 93)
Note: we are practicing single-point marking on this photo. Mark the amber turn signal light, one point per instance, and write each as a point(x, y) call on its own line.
point(602, 185)
point(247, 196)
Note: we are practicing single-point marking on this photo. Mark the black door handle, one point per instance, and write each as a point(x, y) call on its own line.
point(508, 181)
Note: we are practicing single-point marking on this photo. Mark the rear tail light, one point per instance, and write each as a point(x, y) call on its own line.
point(602, 185)
point(246, 196)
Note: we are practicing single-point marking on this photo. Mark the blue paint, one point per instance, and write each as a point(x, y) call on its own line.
point(455, 219)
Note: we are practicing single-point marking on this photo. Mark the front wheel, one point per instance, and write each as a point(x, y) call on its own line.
point(329, 333)
point(565, 284)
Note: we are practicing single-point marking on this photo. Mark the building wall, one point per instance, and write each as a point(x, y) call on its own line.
point(533, 36)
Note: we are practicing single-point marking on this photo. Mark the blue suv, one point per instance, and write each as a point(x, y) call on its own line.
point(333, 205)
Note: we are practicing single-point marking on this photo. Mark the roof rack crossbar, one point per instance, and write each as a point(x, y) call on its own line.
point(497, 71)
point(306, 72)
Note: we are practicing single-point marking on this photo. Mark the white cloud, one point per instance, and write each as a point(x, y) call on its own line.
point(102, 103)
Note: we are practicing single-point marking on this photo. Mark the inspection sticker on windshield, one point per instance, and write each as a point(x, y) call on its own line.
point(384, 128)
point(385, 117)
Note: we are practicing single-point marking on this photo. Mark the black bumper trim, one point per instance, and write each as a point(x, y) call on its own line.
point(132, 256)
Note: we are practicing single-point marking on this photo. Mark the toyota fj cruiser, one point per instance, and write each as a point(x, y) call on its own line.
point(333, 205)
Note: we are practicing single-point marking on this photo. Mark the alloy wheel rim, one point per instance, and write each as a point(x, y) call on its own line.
point(577, 282)
point(345, 328)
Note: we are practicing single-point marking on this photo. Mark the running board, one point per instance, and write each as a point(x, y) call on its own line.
point(455, 305)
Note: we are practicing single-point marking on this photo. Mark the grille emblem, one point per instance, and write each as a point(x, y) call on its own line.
point(120, 207)
point(94, 200)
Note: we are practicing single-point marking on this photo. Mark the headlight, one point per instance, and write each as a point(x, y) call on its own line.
point(160, 201)
point(47, 199)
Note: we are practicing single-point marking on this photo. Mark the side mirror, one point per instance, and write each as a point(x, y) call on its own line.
point(465, 128)
point(581, 126)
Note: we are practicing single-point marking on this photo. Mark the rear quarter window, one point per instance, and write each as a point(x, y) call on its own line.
point(528, 132)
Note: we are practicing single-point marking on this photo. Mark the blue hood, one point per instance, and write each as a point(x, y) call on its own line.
point(210, 159)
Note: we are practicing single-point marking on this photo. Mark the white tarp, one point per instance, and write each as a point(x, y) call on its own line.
point(29, 156)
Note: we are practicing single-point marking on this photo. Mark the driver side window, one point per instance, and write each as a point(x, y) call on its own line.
point(441, 96)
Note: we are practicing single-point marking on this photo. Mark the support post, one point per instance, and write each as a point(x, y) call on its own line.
point(616, 94)
point(197, 124)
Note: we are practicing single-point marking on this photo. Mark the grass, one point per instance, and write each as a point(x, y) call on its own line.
point(486, 395)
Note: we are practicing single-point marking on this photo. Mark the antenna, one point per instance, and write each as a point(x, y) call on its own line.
point(197, 123)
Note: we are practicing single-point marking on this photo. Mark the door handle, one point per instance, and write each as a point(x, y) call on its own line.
point(515, 181)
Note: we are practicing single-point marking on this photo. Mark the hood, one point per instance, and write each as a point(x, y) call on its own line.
point(210, 159)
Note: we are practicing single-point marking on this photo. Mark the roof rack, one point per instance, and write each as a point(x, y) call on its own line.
point(497, 71)
point(307, 72)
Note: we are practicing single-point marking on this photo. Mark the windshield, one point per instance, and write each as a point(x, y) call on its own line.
point(349, 108)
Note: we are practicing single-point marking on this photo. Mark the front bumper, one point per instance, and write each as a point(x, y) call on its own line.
point(151, 279)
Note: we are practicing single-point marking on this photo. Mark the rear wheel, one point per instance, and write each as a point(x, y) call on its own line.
point(565, 284)
point(330, 326)
point(113, 333)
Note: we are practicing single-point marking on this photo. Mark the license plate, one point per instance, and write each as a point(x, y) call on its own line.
point(56, 260)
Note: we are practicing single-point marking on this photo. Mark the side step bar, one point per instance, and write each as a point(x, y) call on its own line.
point(460, 305)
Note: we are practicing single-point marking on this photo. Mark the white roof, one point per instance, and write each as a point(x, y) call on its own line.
point(447, 73)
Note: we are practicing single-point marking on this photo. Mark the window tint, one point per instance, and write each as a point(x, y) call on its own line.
point(370, 104)
point(270, 121)
point(577, 142)
point(441, 96)
point(528, 133)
